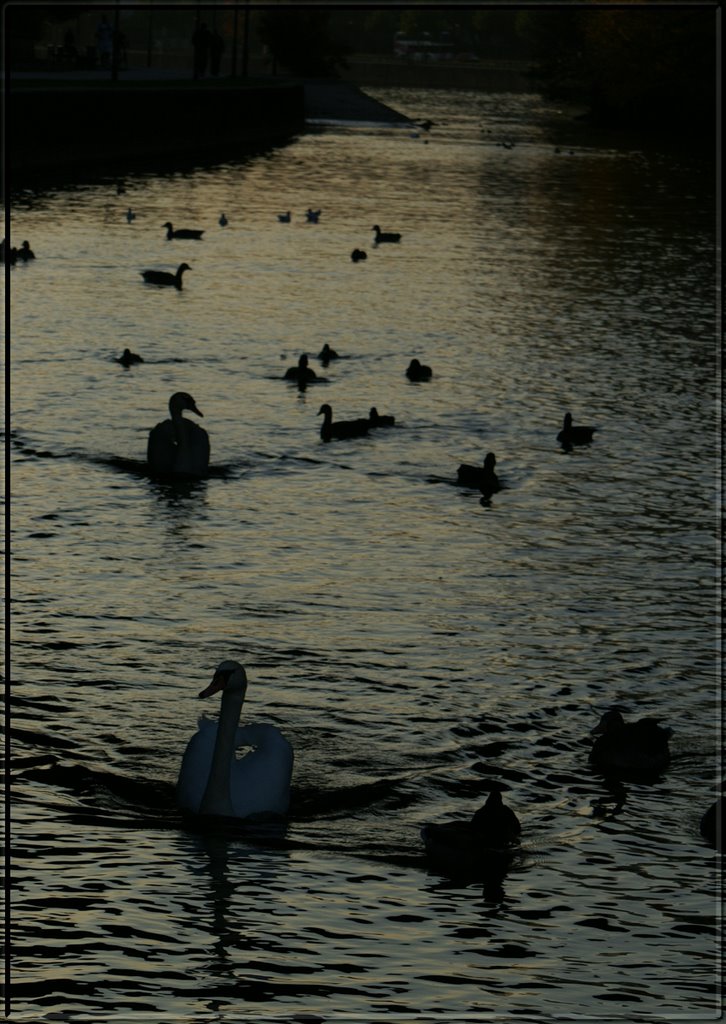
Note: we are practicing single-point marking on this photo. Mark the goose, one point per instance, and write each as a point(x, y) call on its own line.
point(327, 353)
point(574, 435)
point(476, 847)
point(178, 447)
point(386, 236)
point(223, 222)
point(284, 218)
point(130, 215)
point(180, 232)
point(302, 372)
point(375, 420)
point(212, 780)
point(164, 277)
point(635, 749)
point(129, 358)
point(711, 824)
point(483, 478)
point(25, 252)
point(312, 216)
point(343, 428)
point(416, 371)
point(358, 254)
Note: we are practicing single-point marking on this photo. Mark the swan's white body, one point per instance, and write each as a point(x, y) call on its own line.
point(177, 446)
point(212, 780)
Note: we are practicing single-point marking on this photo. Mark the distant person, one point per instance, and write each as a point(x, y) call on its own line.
point(216, 49)
point(104, 41)
point(200, 41)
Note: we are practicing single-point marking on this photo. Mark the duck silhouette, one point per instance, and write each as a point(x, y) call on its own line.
point(178, 447)
point(163, 277)
point(477, 847)
point(341, 429)
point(25, 252)
point(223, 222)
point(358, 254)
point(376, 420)
point(130, 215)
point(482, 478)
point(417, 371)
point(385, 236)
point(327, 353)
point(312, 216)
point(630, 749)
point(284, 218)
point(570, 435)
point(181, 232)
point(301, 373)
point(128, 358)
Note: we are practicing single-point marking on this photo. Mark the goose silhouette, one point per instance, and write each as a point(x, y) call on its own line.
point(385, 236)
point(163, 277)
point(376, 420)
point(630, 749)
point(570, 435)
point(482, 478)
point(178, 447)
point(181, 232)
point(341, 429)
point(417, 371)
point(302, 373)
point(476, 847)
point(212, 780)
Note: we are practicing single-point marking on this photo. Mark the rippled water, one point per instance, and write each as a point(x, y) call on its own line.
point(414, 644)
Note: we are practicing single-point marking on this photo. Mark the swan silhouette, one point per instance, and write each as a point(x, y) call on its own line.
point(212, 780)
point(574, 435)
point(483, 478)
point(178, 447)
point(343, 428)
point(417, 371)
point(180, 232)
point(164, 277)
point(386, 236)
point(473, 847)
point(630, 749)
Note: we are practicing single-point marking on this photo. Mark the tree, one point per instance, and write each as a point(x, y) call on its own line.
point(301, 42)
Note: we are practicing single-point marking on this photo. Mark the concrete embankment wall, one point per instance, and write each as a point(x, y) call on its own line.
point(52, 125)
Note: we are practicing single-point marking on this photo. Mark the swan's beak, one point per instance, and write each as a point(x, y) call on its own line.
point(218, 683)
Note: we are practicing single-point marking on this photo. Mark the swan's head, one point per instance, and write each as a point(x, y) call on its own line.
point(230, 677)
point(180, 401)
point(325, 410)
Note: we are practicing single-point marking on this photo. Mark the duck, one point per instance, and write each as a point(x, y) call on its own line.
point(178, 447)
point(477, 847)
point(330, 431)
point(570, 435)
point(385, 236)
point(181, 232)
point(25, 252)
point(284, 218)
point(163, 277)
point(128, 358)
point(223, 222)
point(130, 215)
point(302, 373)
point(417, 372)
point(212, 780)
point(711, 824)
point(312, 216)
point(630, 749)
point(483, 478)
point(327, 353)
point(358, 254)
point(376, 420)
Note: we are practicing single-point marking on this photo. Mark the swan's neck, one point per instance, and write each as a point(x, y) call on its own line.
point(217, 798)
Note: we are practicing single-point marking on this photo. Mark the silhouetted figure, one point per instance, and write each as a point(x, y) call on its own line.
point(302, 372)
point(711, 825)
point(25, 252)
point(327, 353)
point(376, 420)
point(385, 236)
point(417, 371)
point(223, 222)
point(216, 49)
point(312, 216)
point(181, 232)
point(104, 41)
point(570, 435)
point(342, 429)
point(358, 254)
point(475, 848)
point(200, 41)
point(128, 358)
point(178, 447)
point(284, 218)
point(163, 277)
point(130, 215)
point(630, 749)
point(481, 478)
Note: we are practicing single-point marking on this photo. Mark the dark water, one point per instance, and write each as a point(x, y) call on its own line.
point(414, 644)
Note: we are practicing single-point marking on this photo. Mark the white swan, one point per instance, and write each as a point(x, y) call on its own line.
point(212, 780)
point(177, 446)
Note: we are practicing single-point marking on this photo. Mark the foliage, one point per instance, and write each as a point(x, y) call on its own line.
point(301, 42)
